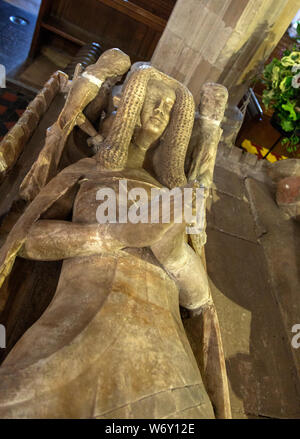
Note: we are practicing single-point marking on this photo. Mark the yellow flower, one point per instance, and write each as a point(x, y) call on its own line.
point(275, 76)
point(282, 85)
point(296, 56)
point(291, 59)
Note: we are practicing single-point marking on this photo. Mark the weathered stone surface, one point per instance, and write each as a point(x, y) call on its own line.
point(258, 355)
point(100, 339)
point(288, 190)
point(249, 159)
point(183, 17)
point(9, 189)
point(218, 6)
point(231, 215)
point(255, 286)
point(203, 70)
point(281, 244)
point(232, 14)
point(235, 154)
point(28, 297)
point(230, 39)
point(288, 197)
point(286, 175)
point(231, 124)
point(235, 163)
point(229, 183)
point(284, 168)
point(223, 150)
point(174, 45)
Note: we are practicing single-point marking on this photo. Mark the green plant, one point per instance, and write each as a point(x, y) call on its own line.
point(282, 93)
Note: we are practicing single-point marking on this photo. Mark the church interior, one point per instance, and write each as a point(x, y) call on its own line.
point(246, 132)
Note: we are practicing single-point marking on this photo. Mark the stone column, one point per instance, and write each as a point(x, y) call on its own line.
point(223, 41)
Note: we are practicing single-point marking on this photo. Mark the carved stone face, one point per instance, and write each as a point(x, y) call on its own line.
point(156, 111)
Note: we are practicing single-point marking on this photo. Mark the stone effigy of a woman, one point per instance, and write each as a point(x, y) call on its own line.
point(111, 344)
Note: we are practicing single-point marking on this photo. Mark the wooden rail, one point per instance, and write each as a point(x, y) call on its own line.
point(137, 13)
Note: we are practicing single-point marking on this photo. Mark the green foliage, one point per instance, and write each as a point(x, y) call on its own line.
point(281, 78)
point(287, 125)
point(290, 107)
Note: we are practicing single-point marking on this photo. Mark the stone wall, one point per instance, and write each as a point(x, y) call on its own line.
point(223, 41)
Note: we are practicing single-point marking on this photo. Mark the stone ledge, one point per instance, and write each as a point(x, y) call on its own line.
point(243, 163)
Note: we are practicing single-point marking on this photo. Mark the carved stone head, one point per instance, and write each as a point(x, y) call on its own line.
point(160, 105)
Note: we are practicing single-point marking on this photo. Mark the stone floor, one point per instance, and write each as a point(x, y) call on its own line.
point(253, 263)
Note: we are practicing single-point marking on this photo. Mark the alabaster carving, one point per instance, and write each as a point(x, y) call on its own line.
point(112, 343)
point(83, 90)
point(11, 146)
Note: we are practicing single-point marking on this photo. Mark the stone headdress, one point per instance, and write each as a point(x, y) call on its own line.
point(172, 149)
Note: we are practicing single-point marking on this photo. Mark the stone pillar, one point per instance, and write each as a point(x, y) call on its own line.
point(223, 41)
